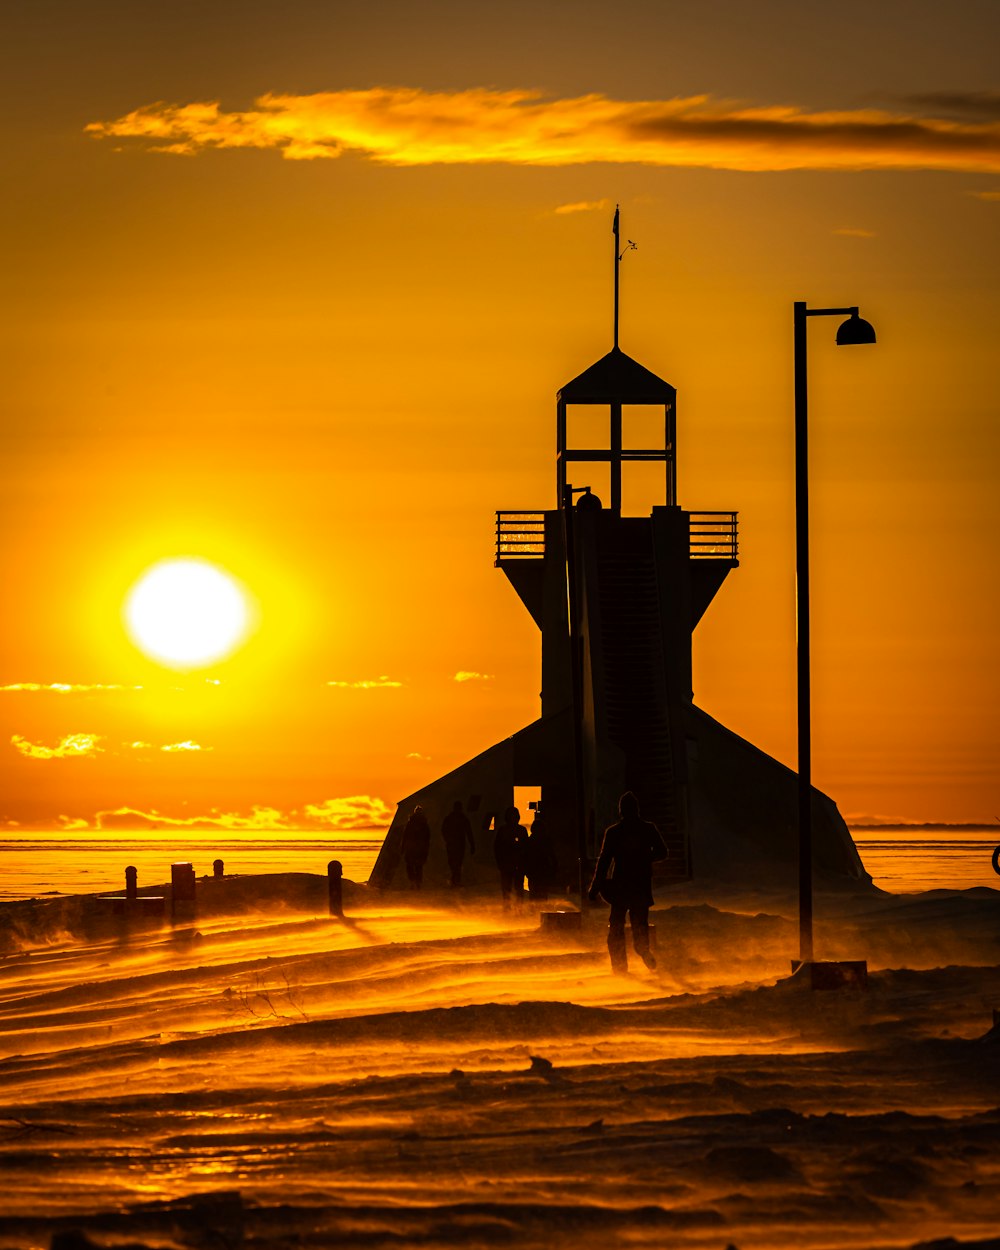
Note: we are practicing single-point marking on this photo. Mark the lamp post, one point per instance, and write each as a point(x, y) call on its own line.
point(853, 331)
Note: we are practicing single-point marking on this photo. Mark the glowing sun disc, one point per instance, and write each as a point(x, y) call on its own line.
point(187, 613)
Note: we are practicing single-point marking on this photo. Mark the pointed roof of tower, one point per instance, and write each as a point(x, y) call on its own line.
point(617, 379)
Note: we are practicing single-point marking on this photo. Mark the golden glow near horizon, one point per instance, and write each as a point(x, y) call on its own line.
point(317, 343)
point(187, 614)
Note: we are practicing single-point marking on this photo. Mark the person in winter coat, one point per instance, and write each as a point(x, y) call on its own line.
point(508, 850)
point(624, 878)
point(456, 829)
point(540, 862)
point(416, 846)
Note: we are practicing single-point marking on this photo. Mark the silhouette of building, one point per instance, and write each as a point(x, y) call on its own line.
point(616, 599)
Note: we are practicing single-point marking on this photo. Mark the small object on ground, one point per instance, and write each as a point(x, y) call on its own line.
point(830, 974)
point(77, 1239)
point(560, 921)
point(71, 1239)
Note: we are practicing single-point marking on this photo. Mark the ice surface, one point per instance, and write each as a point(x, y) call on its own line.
point(438, 1073)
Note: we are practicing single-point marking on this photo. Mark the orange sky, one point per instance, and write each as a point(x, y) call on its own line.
point(318, 342)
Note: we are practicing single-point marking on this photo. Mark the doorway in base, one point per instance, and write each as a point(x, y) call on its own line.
point(524, 797)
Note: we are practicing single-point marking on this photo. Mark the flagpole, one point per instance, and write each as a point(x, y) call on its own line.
point(618, 260)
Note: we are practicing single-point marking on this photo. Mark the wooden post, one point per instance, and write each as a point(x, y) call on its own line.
point(182, 890)
point(131, 884)
point(335, 882)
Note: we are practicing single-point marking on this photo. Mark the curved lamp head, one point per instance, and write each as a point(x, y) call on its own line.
point(855, 330)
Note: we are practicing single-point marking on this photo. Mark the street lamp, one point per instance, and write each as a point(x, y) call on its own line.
point(853, 331)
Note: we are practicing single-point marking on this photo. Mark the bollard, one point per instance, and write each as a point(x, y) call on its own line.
point(335, 881)
point(182, 890)
point(218, 868)
point(131, 884)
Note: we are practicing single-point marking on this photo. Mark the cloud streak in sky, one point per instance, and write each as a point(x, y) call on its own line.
point(984, 105)
point(76, 746)
point(72, 747)
point(408, 126)
point(581, 206)
point(370, 683)
point(60, 687)
point(351, 814)
point(135, 818)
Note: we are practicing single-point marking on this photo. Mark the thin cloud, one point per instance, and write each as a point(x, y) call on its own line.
point(855, 232)
point(70, 823)
point(356, 811)
point(264, 818)
point(415, 755)
point(170, 747)
point(985, 195)
point(980, 104)
point(582, 206)
point(72, 747)
point(408, 126)
point(368, 683)
point(60, 687)
point(464, 675)
point(350, 814)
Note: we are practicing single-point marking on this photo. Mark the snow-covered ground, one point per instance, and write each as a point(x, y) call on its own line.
point(437, 1073)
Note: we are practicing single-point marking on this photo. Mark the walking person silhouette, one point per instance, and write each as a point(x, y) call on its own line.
point(508, 850)
point(416, 846)
point(540, 862)
point(456, 829)
point(624, 878)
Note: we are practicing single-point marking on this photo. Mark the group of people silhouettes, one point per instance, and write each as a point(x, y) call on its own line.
point(623, 876)
point(456, 830)
point(522, 855)
point(519, 855)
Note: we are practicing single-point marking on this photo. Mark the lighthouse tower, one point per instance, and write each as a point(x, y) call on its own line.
point(617, 599)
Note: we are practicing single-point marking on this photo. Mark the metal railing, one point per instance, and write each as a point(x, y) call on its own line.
point(520, 536)
point(714, 536)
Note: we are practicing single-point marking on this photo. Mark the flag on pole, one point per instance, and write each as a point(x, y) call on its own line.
point(614, 228)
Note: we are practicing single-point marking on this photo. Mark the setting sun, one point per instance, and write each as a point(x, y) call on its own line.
point(187, 613)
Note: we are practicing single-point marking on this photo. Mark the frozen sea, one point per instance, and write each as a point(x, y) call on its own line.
point(42, 864)
point(900, 859)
